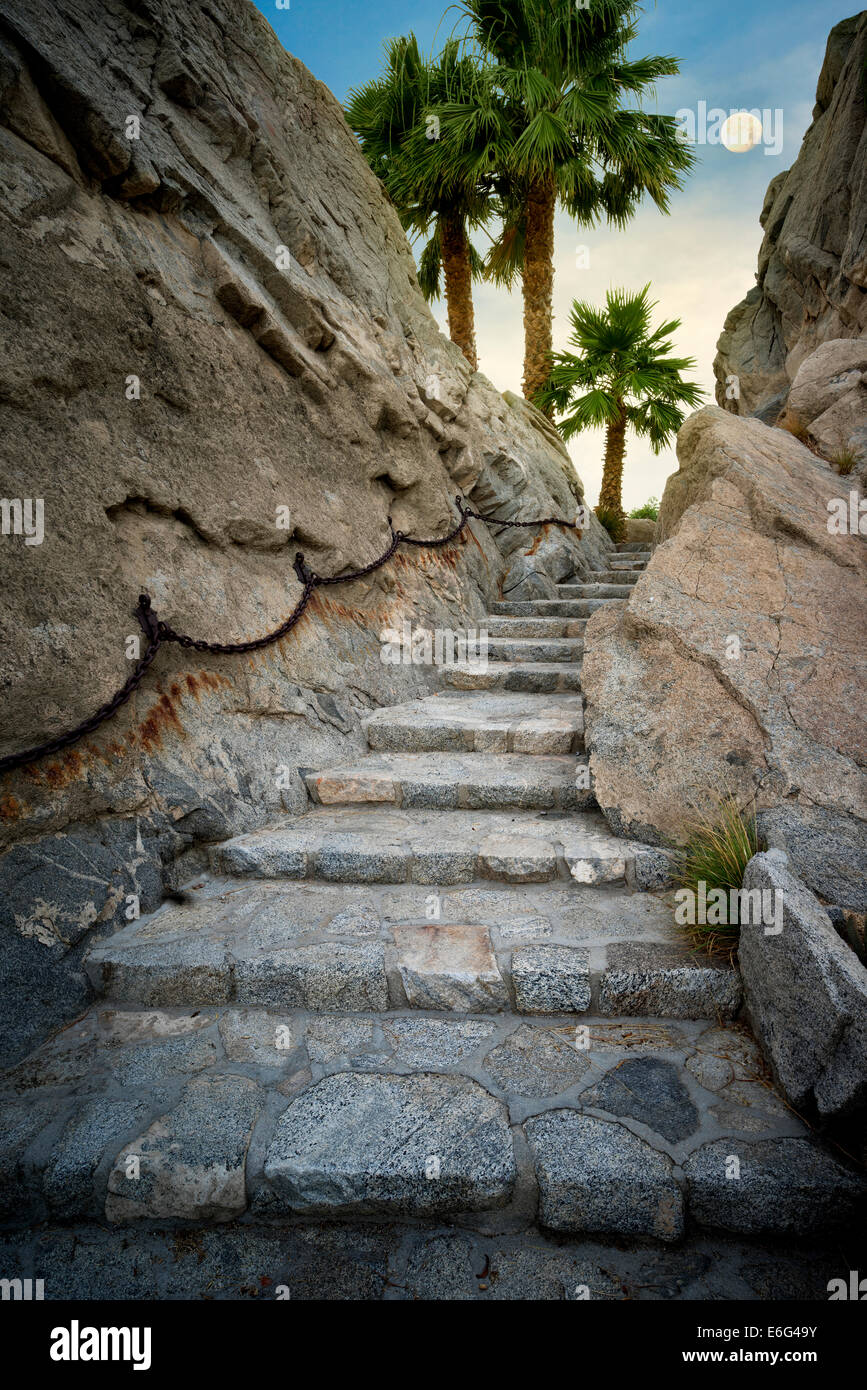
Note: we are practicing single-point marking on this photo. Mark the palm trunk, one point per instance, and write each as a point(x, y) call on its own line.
point(459, 287)
point(538, 281)
point(612, 472)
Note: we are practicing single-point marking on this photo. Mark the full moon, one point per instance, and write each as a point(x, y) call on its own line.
point(741, 131)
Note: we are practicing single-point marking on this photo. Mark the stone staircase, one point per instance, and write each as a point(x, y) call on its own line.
point(447, 997)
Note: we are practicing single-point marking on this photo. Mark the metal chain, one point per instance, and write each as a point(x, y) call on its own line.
point(544, 521)
point(158, 633)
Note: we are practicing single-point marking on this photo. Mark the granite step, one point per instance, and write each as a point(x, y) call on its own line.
point(637, 548)
point(595, 591)
point(530, 677)
point(463, 721)
point(540, 607)
point(512, 626)
point(580, 607)
point(474, 781)
point(390, 845)
point(627, 564)
point(620, 1128)
point(478, 948)
point(624, 577)
point(533, 649)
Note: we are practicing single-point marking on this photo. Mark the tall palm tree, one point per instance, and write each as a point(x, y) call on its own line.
point(548, 125)
point(391, 116)
point(622, 377)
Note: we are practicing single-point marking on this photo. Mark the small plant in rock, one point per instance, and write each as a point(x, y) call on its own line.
point(613, 522)
point(845, 460)
point(719, 846)
point(794, 425)
point(649, 512)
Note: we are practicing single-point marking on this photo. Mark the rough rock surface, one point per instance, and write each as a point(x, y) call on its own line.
point(807, 995)
point(829, 399)
point(361, 1261)
point(360, 1144)
point(736, 662)
point(790, 1184)
point(596, 1176)
point(812, 274)
point(215, 353)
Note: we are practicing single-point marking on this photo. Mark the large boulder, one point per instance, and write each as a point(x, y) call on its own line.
point(806, 993)
point(216, 354)
point(812, 273)
point(737, 662)
point(828, 402)
point(641, 528)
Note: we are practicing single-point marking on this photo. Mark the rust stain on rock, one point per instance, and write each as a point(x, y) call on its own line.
point(56, 774)
point(10, 808)
point(541, 533)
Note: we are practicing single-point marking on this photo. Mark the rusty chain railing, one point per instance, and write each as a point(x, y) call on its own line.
point(157, 633)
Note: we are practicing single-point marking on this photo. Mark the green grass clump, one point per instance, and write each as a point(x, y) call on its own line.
point(719, 846)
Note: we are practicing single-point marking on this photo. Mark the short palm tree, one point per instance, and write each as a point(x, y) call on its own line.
point(548, 126)
point(391, 118)
point(621, 377)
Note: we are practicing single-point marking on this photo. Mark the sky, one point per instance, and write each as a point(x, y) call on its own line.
point(700, 260)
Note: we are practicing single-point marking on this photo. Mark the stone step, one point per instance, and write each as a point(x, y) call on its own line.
point(578, 607)
point(302, 947)
point(533, 649)
point(390, 845)
point(475, 781)
point(541, 607)
point(595, 591)
point(415, 1261)
point(627, 564)
point(454, 721)
point(623, 577)
point(637, 548)
point(531, 677)
point(512, 627)
point(189, 952)
point(620, 1128)
point(335, 948)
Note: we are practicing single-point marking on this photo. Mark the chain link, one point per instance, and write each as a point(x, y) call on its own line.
point(158, 633)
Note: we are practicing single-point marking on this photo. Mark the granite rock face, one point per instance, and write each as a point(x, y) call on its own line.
point(812, 273)
point(736, 662)
point(807, 995)
point(218, 355)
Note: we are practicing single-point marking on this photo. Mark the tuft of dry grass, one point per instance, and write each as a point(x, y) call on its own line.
point(794, 425)
point(845, 460)
point(719, 846)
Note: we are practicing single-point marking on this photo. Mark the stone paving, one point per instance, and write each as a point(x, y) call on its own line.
point(447, 996)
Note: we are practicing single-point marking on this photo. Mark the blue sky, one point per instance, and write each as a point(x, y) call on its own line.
point(700, 260)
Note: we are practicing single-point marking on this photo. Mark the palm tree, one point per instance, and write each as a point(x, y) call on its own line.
point(548, 126)
point(392, 118)
point(621, 377)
